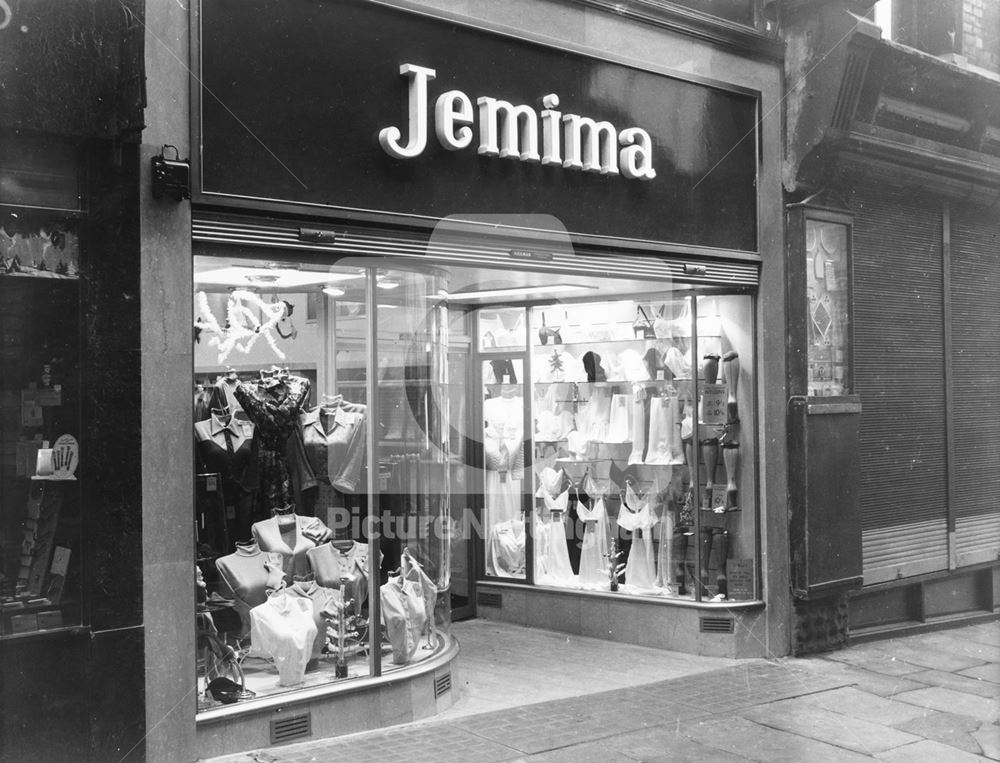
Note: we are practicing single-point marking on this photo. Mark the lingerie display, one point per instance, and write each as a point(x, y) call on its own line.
point(594, 547)
point(503, 438)
point(273, 404)
point(552, 563)
point(637, 517)
point(505, 555)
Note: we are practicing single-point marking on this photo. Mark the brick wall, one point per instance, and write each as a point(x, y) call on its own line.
point(981, 33)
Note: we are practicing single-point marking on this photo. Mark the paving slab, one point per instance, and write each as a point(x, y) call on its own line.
point(988, 738)
point(984, 672)
point(830, 727)
point(950, 729)
point(956, 681)
point(959, 643)
point(864, 706)
point(880, 662)
point(920, 653)
point(874, 683)
point(951, 701)
point(926, 751)
point(649, 746)
point(984, 633)
point(749, 740)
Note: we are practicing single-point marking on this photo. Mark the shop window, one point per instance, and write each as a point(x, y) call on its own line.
point(355, 472)
point(320, 559)
point(40, 332)
point(618, 446)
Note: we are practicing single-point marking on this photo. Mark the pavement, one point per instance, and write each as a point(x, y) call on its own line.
point(540, 696)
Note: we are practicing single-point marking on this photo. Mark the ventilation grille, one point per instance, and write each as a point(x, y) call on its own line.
point(717, 625)
point(489, 599)
point(290, 729)
point(442, 684)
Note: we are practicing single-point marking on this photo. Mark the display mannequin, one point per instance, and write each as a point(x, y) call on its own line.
point(342, 564)
point(291, 536)
point(326, 602)
point(223, 393)
point(505, 549)
point(273, 403)
point(282, 628)
point(334, 438)
point(226, 446)
point(248, 574)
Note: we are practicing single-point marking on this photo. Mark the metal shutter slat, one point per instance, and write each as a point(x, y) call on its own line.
point(899, 357)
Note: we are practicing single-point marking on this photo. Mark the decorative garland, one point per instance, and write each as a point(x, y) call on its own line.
point(243, 328)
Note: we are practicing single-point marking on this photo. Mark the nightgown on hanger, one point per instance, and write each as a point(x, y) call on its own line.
point(552, 565)
point(594, 554)
point(640, 569)
point(502, 445)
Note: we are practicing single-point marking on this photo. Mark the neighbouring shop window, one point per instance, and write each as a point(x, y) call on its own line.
point(40, 335)
point(299, 366)
point(827, 283)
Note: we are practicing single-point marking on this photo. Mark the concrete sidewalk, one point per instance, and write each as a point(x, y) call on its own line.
point(932, 697)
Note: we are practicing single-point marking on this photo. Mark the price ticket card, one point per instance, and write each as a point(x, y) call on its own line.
point(713, 403)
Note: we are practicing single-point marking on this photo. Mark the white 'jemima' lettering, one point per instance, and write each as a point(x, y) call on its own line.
point(509, 131)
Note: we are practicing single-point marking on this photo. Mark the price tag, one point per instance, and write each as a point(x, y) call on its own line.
point(713, 403)
point(740, 577)
point(60, 561)
point(31, 410)
point(718, 497)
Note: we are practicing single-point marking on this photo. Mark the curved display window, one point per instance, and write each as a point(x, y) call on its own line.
point(323, 467)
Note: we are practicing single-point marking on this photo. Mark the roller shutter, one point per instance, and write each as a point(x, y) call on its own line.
point(900, 374)
point(975, 358)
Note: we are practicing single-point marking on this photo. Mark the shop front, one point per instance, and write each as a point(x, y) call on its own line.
point(892, 240)
point(479, 321)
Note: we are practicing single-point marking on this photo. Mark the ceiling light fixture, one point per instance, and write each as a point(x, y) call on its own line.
point(518, 291)
point(277, 278)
